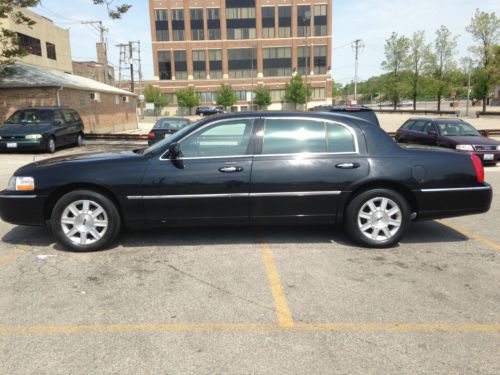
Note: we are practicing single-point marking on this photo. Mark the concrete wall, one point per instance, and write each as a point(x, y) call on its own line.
point(102, 116)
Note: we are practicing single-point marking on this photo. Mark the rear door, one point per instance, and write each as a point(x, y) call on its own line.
point(60, 128)
point(70, 128)
point(301, 167)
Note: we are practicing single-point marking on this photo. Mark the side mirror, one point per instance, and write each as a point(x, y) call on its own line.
point(433, 132)
point(174, 150)
point(58, 123)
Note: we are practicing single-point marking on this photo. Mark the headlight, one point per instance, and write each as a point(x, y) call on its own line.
point(464, 148)
point(21, 183)
point(498, 147)
point(33, 136)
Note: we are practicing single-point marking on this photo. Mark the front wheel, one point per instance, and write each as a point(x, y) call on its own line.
point(84, 220)
point(79, 140)
point(51, 145)
point(378, 218)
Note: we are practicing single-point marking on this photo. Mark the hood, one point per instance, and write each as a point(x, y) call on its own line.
point(24, 129)
point(471, 140)
point(79, 158)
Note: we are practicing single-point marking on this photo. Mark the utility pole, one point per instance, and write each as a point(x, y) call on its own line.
point(468, 88)
point(357, 45)
point(102, 32)
point(307, 18)
point(141, 88)
point(122, 63)
point(131, 57)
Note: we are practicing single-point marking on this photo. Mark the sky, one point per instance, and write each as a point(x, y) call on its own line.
point(372, 21)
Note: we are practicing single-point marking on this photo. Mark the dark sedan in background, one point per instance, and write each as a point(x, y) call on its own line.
point(250, 169)
point(209, 111)
point(450, 133)
point(41, 129)
point(165, 127)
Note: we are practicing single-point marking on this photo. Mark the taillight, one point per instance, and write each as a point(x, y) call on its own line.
point(151, 135)
point(478, 166)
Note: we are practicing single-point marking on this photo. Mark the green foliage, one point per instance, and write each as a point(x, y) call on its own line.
point(154, 95)
point(262, 96)
point(485, 30)
point(396, 53)
point(482, 85)
point(226, 96)
point(417, 62)
point(296, 92)
point(187, 98)
point(114, 12)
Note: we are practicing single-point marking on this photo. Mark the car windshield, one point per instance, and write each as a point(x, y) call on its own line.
point(455, 129)
point(160, 145)
point(31, 117)
point(170, 124)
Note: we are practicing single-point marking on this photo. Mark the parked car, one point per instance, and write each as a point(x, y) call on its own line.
point(250, 168)
point(41, 129)
point(165, 127)
point(450, 133)
point(358, 111)
point(209, 111)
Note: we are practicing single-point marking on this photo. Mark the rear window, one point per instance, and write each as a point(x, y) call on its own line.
point(407, 125)
point(170, 124)
point(362, 114)
point(31, 116)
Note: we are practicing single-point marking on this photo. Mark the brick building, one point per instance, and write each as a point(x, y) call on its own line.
point(96, 70)
point(244, 43)
point(103, 108)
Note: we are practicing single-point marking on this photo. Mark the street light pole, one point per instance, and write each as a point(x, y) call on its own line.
point(468, 88)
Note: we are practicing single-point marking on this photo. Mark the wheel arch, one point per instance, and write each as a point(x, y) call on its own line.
point(61, 191)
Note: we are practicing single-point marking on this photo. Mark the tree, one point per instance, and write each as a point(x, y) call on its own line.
point(482, 84)
point(296, 91)
point(396, 51)
point(226, 96)
point(442, 61)
point(154, 95)
point(485, 30)
point(10, 47)
point(417, 62)
point(262, 96)
point(187, 98)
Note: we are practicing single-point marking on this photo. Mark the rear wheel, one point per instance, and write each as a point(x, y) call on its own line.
point(378, 218)
point(79, 140)
point(51, 145)
point(85, 220)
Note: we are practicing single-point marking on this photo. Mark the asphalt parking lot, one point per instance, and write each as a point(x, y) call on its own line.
point(255, 300)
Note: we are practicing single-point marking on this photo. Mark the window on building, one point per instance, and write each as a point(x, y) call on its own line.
point(213, 23)
point(242, 62)
point(178, 24)
point(207, 97)
point(320, 19)
point(318, 93)
point(51, 51)
point(95, 96)
point(161, 25)
point(245, 95)
point(303, 60)
point(118, 99)
point(199, 68)
point(215, 62)
point(277, 95)
point(164, 65)
point(197, 27)
point(277, 61)
point(240, 19)
point(30, 44)
point(303, 20)
point(180, 65)
point(285, 21)
point(290, 136)
point(320, 59)
point(268, 22)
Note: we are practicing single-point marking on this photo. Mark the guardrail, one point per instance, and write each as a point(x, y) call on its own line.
point(481, 113)
point(418, 111)
point(490, 132)
point(116, 137)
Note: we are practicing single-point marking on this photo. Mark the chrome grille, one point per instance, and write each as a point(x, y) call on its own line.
point(485, 148)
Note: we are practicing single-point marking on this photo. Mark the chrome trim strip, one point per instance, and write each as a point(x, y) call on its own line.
point(18, 196)
point(237, 195)
point(456, 189)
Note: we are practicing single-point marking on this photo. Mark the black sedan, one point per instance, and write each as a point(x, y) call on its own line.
point(209, 111)
point(450, 133)
point(254, 168)
point(41, 129)
point(165, 127)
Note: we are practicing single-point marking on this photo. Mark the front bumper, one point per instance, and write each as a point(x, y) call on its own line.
point(23, 145)
point(22, 208)
point(481, 155)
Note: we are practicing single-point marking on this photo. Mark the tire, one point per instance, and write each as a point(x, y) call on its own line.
point(368, 223)
point(79, 140)
point(51, 145)
point(84, 220)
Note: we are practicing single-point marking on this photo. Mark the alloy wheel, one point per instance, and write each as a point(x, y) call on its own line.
point(84, 222)
point(379, 219)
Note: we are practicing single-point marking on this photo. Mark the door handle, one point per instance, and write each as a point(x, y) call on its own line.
point(347, 165)
point(230, 169)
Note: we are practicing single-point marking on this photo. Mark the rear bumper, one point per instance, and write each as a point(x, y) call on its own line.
point(23, 145)
point(481, 155)
point(22, 209)
point(443, 203)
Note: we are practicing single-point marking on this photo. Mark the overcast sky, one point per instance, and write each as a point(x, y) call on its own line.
point(372, 21)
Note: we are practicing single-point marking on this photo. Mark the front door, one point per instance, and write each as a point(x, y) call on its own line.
point(303, 167)
point(208, 183)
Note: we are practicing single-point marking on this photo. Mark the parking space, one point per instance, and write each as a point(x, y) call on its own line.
point(253, 300)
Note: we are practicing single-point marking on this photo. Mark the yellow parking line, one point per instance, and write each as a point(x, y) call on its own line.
point(13, 254)
point(255, 327)
point(470, 234)
point(282, 311)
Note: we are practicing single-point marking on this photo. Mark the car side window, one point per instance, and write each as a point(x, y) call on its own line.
point(58, 118)
point(68, 117)
point(407, 125)
point(222, 139)
point(427, 127)
point(76, 116)
point(339, 139)
point(418, 126)
point(293, 136)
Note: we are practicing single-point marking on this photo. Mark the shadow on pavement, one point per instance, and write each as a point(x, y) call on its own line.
point(420, 232)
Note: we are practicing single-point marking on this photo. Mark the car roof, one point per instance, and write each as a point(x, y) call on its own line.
point(44, 108)
point(172, 118)
point(348, 108)
point(436, 119)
